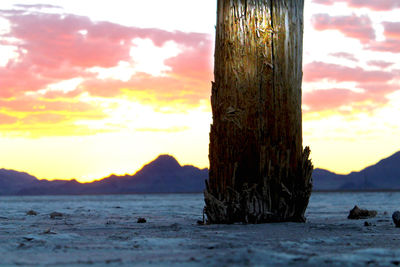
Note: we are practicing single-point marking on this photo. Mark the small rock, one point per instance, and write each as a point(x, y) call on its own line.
point(56, 215)
point(385, 213)
point(48, 232)
point(367, 223)
point(141, 220)
point(31, 213)
point(357, 213)
point(113, 261)
point(396, 218)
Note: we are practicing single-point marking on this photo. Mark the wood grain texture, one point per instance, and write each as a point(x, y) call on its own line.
point(259, 171)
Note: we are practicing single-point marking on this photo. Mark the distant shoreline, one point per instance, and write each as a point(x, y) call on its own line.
point(192, 193)
point(357, 191)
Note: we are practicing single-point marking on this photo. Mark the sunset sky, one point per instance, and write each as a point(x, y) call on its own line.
point(90, 88)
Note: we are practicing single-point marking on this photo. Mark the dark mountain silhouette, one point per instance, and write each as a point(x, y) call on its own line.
point(385, 175)
point(12, 181)
point(166, 175)
point(163, 175)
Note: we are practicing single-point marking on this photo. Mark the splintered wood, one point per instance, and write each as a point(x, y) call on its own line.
point(259, 171)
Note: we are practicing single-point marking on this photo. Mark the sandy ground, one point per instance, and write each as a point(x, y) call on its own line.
point(106, 232)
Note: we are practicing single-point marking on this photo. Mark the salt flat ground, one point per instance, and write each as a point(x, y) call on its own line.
point(103, 230)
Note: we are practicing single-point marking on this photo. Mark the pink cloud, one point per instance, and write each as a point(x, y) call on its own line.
point(372, 96)
point(194, 62)
point(54, 47)
point(380, 63)
point(377, 5)
point(345, 55)
point(392, 42)
point(316, 71)
point(62, 95)
point(19, 77)
point(390, 45)
point(328, 99)
point(378, 91)
point(392, 30)
point(351, 26)
point(63, 47)
point(51, 39)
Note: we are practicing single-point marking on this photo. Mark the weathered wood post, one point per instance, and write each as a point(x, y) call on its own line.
point(259, 171)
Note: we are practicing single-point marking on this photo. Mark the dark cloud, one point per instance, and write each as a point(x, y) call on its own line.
point(380, 63)
point(345, 55)
point(37, 6)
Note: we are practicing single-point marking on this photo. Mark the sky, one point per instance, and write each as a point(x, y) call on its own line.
point(87, 90)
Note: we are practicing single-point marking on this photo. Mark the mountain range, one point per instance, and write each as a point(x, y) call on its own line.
point(163, 175)
point(384, 175)
point(166, 175)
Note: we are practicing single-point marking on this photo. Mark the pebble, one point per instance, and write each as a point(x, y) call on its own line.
point(49, 232)
point(31, 213)
point(141, 220)
point(56, 215)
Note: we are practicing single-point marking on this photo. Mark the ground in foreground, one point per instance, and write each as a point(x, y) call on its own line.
point(98, 230)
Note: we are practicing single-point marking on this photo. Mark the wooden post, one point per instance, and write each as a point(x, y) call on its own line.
point(259, 171)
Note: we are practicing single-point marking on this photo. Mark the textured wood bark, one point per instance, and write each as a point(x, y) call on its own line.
point(259, 171)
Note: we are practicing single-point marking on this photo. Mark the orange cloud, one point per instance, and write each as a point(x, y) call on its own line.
point(6, 119)
point(168, 130)
point(149, 88)
point(36, 117)
point(34, 105)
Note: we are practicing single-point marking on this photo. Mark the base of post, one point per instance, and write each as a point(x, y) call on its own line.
point(269, 202)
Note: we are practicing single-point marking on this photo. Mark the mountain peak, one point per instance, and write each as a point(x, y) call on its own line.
point(163, 163)
point(165, 160)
